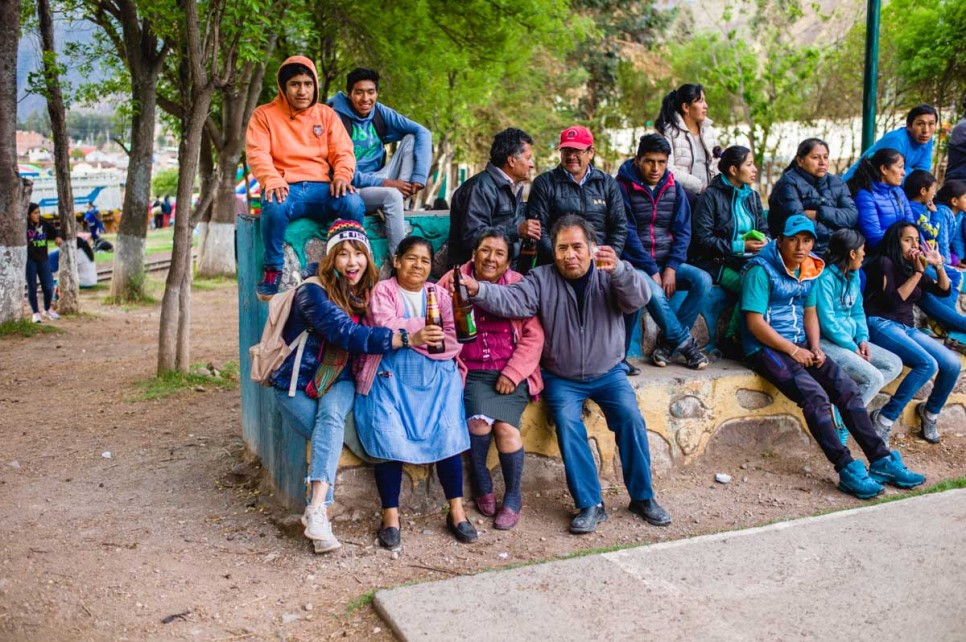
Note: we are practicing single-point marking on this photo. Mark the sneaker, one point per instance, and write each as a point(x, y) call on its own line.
point(50, 314)
point(37, 318)
point(693, 356)
point(854, 479)
point(840, 428)
point(661, 356)
point(319, 529)
point(632, 370)
point(883, 431)
point(954, 343)
point(269, 285)
point(930, 427)
point(891, 470)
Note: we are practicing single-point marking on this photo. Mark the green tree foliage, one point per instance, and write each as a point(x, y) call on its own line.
point(165, 182)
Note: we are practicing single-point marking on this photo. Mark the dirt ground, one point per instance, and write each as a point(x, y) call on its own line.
point(169, 537)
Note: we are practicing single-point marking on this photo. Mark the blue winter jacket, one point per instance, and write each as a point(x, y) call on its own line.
point(371, 152)
point(917, 155)
point(313, 311)
point(797, 191)
point(786, 296)
point(957, 240)
point(658, 221)
point(841, 314)
point(879, 208)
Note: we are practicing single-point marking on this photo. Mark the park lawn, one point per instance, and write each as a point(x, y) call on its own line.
point(158, 243)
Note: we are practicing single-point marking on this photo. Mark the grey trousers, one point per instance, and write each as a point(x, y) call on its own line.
point(390, 199)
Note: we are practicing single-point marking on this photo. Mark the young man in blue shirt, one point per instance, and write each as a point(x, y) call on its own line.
point(780, 338)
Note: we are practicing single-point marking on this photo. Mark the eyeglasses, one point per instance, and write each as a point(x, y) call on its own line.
point(572, 151)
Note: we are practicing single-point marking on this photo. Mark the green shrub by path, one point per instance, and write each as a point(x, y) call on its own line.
point(26, 328)
point(171, 383)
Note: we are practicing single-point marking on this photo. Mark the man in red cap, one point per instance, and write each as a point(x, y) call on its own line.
point(577, 187)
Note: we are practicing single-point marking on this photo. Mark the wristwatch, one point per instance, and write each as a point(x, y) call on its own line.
point(404, 335)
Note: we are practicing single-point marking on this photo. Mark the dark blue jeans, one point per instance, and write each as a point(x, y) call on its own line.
point(39, 269)
point(615, 396)
point(925, 357)
point(305, 200)
point(815, 390)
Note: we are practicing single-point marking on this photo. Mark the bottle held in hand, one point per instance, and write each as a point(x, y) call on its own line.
point(433, 317)
point(462, 310)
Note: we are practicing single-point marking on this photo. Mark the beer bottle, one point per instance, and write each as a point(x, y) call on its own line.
point(462, 310)
point(528, 255)
point(433, 317)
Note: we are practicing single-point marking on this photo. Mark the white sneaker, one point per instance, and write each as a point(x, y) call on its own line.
point(37, 318)
point(319, 529)
point(50, 314)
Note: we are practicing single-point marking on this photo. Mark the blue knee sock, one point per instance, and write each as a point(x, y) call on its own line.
point(512, 465)
point(480, 474)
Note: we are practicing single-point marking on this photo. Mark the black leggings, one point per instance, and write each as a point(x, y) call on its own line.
point(389, 479)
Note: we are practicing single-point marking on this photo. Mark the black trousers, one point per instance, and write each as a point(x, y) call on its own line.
point(815, 390)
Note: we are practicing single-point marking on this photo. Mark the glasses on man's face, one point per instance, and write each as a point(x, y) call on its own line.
point(572, 151)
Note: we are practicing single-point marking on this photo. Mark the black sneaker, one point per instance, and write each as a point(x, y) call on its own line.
point(695, 359)
point(661, 356)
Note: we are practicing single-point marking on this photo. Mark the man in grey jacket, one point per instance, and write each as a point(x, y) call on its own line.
point(580, 300)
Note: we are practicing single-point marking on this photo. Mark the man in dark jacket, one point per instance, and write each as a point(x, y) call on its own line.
point(580, 306)
point(577, 187)
point(493, 199)
point(658, 235)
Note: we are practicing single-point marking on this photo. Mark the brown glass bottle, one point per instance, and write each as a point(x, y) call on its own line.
point(528, 255)
point(462, 310)
point(433, 317)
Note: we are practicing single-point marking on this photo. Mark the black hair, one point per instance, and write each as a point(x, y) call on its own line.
point(804, 149)
point(916, 181)
point(31, 208)
point(440, 203)
point(921, 110)
point(653, 143)
point(508, 143)
point(358, 74)
point(411, 241)
point(673, 104)
point(573, 220)
point(492, 233)
point(734, 156)
point(867, 172)
point(291, 70)
point(890, 247)
point(840, 247)
point(951, 189)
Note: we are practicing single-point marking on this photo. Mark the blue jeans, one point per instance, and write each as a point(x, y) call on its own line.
point(925, 357)
point(676, 325)
point(870, 376)
point(39, 269)
point(615, 396)
point(305, 200)
point(323, 423)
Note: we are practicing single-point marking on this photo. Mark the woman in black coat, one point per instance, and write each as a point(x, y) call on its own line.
point(807, 188)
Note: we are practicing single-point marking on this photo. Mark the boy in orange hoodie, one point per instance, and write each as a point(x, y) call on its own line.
point(303, 160)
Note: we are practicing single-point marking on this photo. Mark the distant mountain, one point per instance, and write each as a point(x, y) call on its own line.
point(29, 59)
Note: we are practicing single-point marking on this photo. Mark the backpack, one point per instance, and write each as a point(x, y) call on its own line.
point(270, 353)
point(377, 122)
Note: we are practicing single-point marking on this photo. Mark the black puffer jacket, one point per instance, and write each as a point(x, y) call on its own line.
point(713, 226)
point(555, 194)
point(797, 191)
point(486, 200)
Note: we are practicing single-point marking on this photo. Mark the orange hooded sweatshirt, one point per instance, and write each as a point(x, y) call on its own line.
point(284, 146)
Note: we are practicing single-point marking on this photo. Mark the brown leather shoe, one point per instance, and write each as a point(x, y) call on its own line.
point(486, 504)
point(506, 519)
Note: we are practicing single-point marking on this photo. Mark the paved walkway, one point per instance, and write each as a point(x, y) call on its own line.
point(891, 572)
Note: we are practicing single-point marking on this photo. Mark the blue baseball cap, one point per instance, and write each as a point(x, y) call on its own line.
point(799, 223)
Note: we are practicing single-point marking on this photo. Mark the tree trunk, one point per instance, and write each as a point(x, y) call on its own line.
point(14, 191)
point(67, 281)
point(175, 332)
point(216, 248)
point(127, 282)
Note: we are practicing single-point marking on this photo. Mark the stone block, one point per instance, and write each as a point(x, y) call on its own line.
point(737, 438)
point(687, 407)
point(754, 399)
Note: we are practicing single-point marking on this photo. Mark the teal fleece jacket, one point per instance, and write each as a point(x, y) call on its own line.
point(840, 312)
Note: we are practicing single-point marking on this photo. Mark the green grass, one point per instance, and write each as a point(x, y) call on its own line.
point(26, 328)
point(151, 295)
point(172, 383)
point(157, 243)
point(205, 284)
point(361, 602)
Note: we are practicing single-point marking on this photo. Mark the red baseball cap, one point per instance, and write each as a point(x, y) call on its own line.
point(576, 137)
